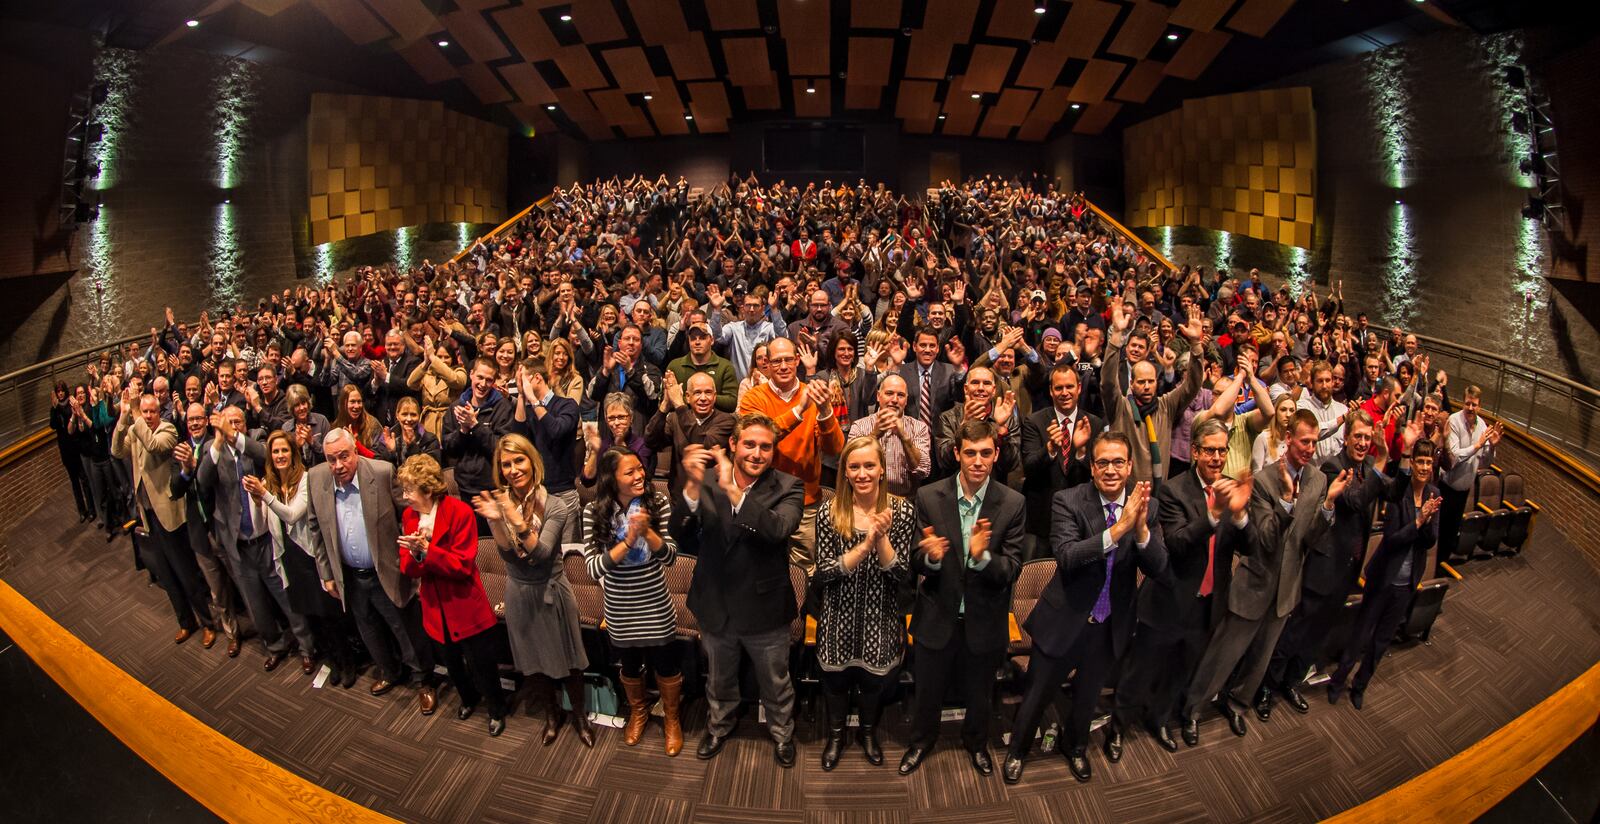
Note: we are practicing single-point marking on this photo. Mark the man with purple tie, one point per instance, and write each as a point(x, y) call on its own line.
point(1099, 533)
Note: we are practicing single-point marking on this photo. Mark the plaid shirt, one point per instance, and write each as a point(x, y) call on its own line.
point(902, 476)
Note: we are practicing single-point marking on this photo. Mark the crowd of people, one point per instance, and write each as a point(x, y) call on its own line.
point(904, 399)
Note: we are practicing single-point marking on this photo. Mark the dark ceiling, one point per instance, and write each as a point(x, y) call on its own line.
point(606, 69)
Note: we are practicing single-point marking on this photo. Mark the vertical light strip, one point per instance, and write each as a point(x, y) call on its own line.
point(114, 69)
point(225, 258)
point(233, 98)
point(1497, 52)
point(1299, 271)
point(323, 273)
point(105, 305)
point(405, 247)
point(1390, 109)
point(463, 236)
point(1400, 269)
point(1224, 259)
point(1166, 242)
point(1527, 285)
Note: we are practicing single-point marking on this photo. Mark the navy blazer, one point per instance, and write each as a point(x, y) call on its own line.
point(741, 577)
point(1077, 538)
point(1173, 602)
point(941, 589)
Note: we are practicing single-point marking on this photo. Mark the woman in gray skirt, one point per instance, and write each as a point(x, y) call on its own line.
point(541, 613)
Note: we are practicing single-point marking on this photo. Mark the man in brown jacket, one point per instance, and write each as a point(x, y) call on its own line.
point(1139, 414)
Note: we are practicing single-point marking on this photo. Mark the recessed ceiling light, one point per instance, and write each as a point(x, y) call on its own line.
point(1039, 9)
point(941, 117)
point(688, 117)
point(1397, 203)
point(550, 108)
point(1172, 36)
point(444, 44)
point(649, 97)
point(1077, 106)
point(976, 96)
point(811, 90)
point(566, 18)
point(191, 23)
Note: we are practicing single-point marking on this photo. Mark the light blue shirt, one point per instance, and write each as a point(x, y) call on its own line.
point(353, 547)
point(968, 509)
point(742, 338)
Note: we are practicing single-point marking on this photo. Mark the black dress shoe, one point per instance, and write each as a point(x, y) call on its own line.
point(833, 749)
point(783, 753)
point(1263, 704)
point(496, 726)
point(1296, 700)
point(710, 745)
point(1335, 692)
point(1356, 696)
point(1113, 744)
point(982, 762)
point(349, 679)
point(912, 759)
point(1191, 731)
point(1078, 763)
point(1235, 718)
point(1011, 769)
point(1163, 736)
point(870, 747)
point(466, 711)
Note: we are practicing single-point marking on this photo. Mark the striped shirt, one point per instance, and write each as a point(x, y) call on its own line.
point(638, 610)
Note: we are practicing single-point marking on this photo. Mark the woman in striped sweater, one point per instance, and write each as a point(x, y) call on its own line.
point(626, 543)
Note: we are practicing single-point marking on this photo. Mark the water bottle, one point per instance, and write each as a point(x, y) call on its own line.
point(1049, 742)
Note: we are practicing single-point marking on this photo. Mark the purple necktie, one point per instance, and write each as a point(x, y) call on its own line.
point(1102, 604)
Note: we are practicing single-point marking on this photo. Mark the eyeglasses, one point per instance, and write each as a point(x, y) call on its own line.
point(1111, 463)
point(1212, 451)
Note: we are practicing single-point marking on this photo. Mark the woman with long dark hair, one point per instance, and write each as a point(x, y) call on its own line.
point(66, 419)
point(352, 415)
point(626, 545)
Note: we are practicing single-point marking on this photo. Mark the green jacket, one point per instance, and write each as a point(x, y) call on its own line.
point(719, 368)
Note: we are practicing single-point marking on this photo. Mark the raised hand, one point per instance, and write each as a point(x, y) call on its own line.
point(183, 453)
point(933, 546)
point(1429, 508)
point(808, 357)
point(694, 461)
point(1192, 329)
point(255, 487)
point(672, 391)
point(1004, 407)
point(1119, 318)
point(818, 395)
point(978, 543)
point(1337, 485)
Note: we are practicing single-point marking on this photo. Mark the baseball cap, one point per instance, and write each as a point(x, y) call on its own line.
point(1038, 294)
point(702, 327)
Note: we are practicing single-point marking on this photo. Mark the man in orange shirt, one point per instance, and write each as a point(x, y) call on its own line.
point(807, 430)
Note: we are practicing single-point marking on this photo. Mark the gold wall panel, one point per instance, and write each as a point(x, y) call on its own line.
point(1241, 163)
point(380, 163)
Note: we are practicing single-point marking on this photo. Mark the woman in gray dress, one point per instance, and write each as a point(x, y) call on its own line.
point(541, 612)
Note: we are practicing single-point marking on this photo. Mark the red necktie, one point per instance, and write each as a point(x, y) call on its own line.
point(1211, 550)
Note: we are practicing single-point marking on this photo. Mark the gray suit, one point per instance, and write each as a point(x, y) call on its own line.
point(1265, 587)
point(382, 600)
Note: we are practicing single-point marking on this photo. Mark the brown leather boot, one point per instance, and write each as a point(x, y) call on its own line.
point(671, 695)
point(638, 710)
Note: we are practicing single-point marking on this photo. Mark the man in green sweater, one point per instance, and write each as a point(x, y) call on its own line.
point(702, 359)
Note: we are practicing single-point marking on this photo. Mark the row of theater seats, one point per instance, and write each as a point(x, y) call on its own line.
point(1499, 516)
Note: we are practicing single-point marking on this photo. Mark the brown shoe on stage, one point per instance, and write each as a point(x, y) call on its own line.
point(183, 635)
point(208, 637)
point(638, 710)
point(307, 664)
point(233, 647)
point(671, 698)
point(427, 699)
point(381, 686)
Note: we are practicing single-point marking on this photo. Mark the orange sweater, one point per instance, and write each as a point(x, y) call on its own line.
point(802, 439)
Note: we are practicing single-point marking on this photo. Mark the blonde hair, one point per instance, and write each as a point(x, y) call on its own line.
point(844, 496)
point(422, 473)
point(532, 505)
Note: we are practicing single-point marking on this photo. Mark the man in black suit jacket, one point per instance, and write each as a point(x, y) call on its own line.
point(944, 383)
point(1203, 520)
point(744, 513)
point(1331, 565)
point(1099, 534)
point(391, 373)
point(197, 511)
point(1049, 466)
point(969, 555)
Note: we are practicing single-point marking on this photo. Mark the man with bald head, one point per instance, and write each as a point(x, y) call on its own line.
point(688, 415)
point(346, 365)
point(907, 442)
point(392, 372)
point(1139, 413)
point(984, 400)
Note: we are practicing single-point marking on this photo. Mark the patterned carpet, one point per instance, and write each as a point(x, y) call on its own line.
point(1513, 632)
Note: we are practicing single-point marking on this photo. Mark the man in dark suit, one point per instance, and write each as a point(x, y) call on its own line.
point(933, 386)
point(969, 555)
point(1291, 505)
point(198, 508)
point(744, 512)
point(391, 373)
point(1099, 534)
point(1203, 520)
point(1331, 565)
point(357, 548)
point(550, 421)
point(239, 527)
point(1056, 444)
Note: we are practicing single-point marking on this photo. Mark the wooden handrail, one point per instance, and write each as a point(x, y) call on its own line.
point(502, 227)
point(1137, 241)
point(230, 780)
point(1469, 784)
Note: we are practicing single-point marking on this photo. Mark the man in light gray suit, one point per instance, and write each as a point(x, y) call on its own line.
point(1290, 508)
point(357, 547)
point(240, 526)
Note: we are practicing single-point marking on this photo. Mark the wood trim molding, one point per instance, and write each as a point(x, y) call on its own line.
point(1137, 241)
point(1482, 775)
point(23, 448)
point(538, 204)
point(201, 761)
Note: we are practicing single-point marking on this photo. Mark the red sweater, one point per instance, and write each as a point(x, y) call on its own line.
point(452, 596)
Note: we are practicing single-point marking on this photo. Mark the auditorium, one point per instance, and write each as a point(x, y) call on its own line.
point(799, 411)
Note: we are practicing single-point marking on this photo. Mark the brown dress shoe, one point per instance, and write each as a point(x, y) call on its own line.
point(427, 699)
point(273, 660)
point(308, 664)
point(381, 686)
point(183, 635)
point(208, 637)
point(233, 647)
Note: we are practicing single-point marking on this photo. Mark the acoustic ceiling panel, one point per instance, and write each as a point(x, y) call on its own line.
point(689, 58)
point(526, 30)
point(427, 60)
point(987, 68)
point(484, 84)
point(747, 61)
point(1042, 66)
point(469, 29)
point(666, 108)
point(578, 67)
point(1196, 53)
point(733, 15)
point(804, 26)
point(529, 85)
point(1200, 15)
point(1257, 17)
point(1096, 118)
point(867, 73)
point(409, 18)
point(597, 21)
point(878, 14)
point(1013, 19)
point(1086, 27)
point(1047, 112)
point(357, 23)
point(1140, 31)
point(816, 103)
point(1141, 82)
point(659, 22)
point(915, 101)
point(1096, 81)
point(929, 56)
point(950, 18)
point(631, 69)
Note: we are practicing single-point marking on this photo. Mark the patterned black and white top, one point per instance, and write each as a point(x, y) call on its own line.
point(861, 624)
point(638, 610)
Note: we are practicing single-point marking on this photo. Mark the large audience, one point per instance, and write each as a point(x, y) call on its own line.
point(845, 404)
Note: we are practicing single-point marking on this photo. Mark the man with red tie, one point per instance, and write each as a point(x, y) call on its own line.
point(1203, 518)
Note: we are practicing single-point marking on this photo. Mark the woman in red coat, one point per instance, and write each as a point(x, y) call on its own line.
point(439, 545)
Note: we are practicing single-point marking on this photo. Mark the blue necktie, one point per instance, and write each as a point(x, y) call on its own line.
point(246, 525)
point(1102, 604)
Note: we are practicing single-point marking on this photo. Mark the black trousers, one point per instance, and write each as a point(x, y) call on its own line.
point(1092, 656)
point(393, 635)
point(934, 669)
point(474, 670)
point(168, 556)
point(836, 688)
point(664, 660)
point(78, 478)
point(1452, 504)
point(1380, 617)
point(1300, 646)
point(106, 491)
point(1157, 672)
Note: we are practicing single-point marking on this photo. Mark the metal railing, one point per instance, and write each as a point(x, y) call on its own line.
point(25, 395)
point(1560, 411)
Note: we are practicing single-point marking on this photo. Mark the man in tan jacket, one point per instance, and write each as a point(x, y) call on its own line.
point(148, 441)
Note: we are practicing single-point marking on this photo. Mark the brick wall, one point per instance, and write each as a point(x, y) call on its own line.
point(1569, 505)
point(23, 486)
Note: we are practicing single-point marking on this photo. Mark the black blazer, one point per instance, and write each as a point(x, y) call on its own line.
point(944, 382)
point(1173, 603)
point(198, 503)
point(1332, 561)
point(1077, 527)
point(394, 387)
point(1401, 536)
point(741, 579)
point(987, 592)
point(1042, 475)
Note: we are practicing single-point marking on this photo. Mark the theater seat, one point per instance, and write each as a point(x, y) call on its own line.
point(1497, 519)
point(1521, 509)
point(586, 590)
point(1425, 608)
point(1035, 576)
point(679, 576)
point(1473, 525)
